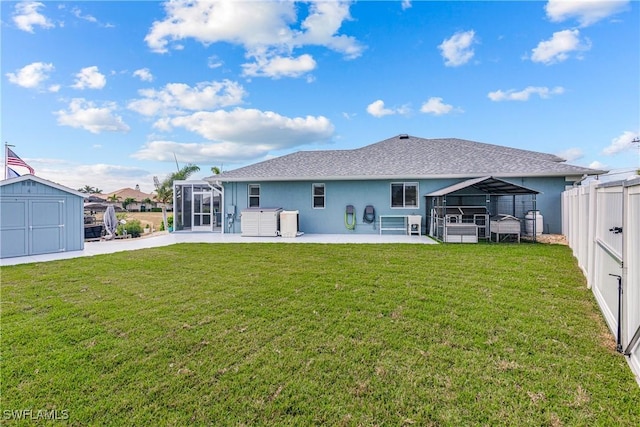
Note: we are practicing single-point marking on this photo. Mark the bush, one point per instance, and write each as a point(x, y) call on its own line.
point(133, 228)
point(169, 221)
point(155, 210)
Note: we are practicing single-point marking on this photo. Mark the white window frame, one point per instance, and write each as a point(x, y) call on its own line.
point(404, 195)
point(313, 195)
point(250, 196)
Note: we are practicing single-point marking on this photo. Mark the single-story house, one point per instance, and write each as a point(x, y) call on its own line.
point(365, 190)
point(139, 200)
point(38, 216)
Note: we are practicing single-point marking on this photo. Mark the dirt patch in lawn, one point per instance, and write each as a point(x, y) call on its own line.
point(553, 239)
point(154, 219)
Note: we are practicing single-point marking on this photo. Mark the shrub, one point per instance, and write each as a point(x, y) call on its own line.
point(169, 221)
point(133, 228)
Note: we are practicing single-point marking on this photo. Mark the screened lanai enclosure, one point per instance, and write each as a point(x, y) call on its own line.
point(484, 208)
point(196, 206)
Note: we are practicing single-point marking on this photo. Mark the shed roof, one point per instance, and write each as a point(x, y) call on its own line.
point(406, 156)
point(487, 184)
point(42, 181)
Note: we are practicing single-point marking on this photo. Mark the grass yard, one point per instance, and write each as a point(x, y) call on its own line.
point(304, 334)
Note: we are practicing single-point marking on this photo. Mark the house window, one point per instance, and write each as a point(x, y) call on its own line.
point(318, 196)
point(254, 195)
point(404, 194)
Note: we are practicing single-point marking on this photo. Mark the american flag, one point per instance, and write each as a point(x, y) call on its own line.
point(14, 160)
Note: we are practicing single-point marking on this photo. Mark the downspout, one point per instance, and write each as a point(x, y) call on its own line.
point(619, 332)
point(222, 206)
point(575, 184)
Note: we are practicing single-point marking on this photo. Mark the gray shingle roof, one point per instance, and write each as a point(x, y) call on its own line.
point(407, 157)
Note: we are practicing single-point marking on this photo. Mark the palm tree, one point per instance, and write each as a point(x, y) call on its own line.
point(113, 198)
point(164, 193)
point(216, 170)
point(127, 202)
point(89, 190)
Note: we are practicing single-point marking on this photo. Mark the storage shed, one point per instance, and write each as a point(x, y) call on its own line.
point(38, 216)
point(260, 222)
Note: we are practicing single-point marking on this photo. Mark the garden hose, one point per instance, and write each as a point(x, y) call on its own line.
point(352, 212)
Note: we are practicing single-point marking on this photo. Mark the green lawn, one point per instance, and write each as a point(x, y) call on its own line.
point(305, 334)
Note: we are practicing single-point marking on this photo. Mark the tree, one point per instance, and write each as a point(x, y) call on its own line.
point(216, 170)
point(127, 202)
point(114, 198)
point(164, 193)
point(89, 190)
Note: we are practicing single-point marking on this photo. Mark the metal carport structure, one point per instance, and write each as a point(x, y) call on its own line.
point(467, 206)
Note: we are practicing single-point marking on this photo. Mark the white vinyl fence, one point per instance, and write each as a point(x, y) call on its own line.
point(602, 224)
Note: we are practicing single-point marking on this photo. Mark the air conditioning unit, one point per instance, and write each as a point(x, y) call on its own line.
point(289, 223)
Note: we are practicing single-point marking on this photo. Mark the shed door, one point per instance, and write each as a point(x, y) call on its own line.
point(47, 226)
point(13, 228)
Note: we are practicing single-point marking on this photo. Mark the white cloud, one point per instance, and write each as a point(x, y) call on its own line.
point(27, 16)
point(90, 78)
point(86, 115)
point(406, 4)
point(144, 74)
point(322, 25)
point(31, 76)
point(78, 14)
point(598, 165)
point(558, 48)
point(587, 12)
point(254, 127)
point(267, 30)
point(435, 106)
point(208, 152)
point(377, 109)
point(571, 154)
point(279, 66)
point(237, 135)
point(106, 177)
point(175, 98)
point(622, 143)
point(214, 62)
point(525, 94)
point(457, 49)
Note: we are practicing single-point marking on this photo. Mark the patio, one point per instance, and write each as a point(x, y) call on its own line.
point(164, 239)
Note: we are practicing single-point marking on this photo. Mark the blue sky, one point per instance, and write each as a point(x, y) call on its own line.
point(110, 94)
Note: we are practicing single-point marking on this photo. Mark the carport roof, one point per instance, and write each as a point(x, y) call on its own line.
point(488, 184)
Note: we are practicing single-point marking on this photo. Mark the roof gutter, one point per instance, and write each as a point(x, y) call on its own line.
point(221, 179)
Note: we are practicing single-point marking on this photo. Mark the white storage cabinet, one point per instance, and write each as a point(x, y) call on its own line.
point(289, 223)
point(260, 222)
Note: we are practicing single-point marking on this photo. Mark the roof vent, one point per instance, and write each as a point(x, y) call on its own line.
point(403, 136)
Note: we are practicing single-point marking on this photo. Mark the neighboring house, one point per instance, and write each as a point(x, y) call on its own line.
point(393, 176)
point(39, 217)
point(139, 197)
